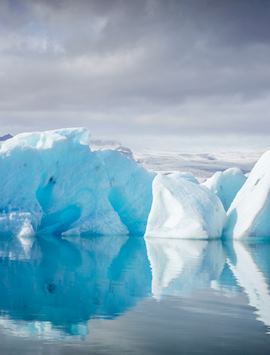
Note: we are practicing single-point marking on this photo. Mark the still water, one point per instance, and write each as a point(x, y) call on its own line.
point(116, 295)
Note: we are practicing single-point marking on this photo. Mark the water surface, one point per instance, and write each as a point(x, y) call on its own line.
point(117, 295)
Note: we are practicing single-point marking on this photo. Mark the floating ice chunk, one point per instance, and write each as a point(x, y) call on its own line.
point(183, 209)
point(249, 213)
point(226, 184)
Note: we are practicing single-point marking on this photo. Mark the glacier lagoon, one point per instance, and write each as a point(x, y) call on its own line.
point(122, 295)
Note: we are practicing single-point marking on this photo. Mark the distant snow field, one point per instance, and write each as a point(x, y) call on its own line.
point(202, 165)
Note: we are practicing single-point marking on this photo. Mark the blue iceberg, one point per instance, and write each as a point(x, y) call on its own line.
point(52, 183)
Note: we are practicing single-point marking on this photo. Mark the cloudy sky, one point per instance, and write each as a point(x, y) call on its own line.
point(151, 67)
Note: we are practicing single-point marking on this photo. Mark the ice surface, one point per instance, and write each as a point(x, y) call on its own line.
point(52, 183)
point(249, 213)
point(130, 189)
point(183, 175)
point(183, 209)
point(226, 184)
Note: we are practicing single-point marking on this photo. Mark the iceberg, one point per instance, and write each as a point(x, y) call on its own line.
point(52, 183)
point(248, 215)
point(184, 209)
point(226, 184)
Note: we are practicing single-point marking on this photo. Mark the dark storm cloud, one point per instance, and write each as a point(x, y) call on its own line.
point(140, 66)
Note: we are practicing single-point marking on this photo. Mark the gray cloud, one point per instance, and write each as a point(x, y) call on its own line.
point(156, 66)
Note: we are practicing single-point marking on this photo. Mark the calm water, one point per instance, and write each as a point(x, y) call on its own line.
point(114, 295)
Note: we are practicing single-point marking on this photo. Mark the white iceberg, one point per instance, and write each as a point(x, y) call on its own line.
point(249, 213)
point(52, 183)
point(226, 184)
point(183, 209)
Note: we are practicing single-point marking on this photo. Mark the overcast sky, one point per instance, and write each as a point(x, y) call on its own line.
point(157, 67)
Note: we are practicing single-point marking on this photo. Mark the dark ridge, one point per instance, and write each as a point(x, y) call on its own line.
point(5, 137)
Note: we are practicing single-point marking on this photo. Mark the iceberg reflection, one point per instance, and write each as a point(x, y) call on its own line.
point(53, 287)
point(61, 284)
point(250, 265)
point(180, 266)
